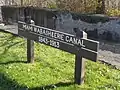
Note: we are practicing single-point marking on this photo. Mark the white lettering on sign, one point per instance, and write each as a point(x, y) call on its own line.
point(51, 33)
point(54, 44)
point(27, 27)
point(49, 42)
point(43, 40)
point(73, 40)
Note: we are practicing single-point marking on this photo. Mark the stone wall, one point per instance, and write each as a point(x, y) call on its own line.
point(97, 26)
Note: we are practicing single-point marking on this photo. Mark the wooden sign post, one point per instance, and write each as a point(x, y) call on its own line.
point(80, 64)
point(80, 46)
point(30, 43)
point(30, 51)
point(79, 69)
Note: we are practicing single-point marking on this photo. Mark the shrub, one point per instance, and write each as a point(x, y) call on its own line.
point(113, 12)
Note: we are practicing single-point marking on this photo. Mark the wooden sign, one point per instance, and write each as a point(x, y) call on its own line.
point(77, 44)
point(59, 40)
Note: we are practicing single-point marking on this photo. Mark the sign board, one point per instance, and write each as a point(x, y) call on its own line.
point(76, 44)
point(59, 40)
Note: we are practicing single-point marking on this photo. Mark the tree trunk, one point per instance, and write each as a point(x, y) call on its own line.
point(101, 7)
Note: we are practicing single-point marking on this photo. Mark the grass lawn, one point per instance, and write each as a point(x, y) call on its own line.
point(53, 69)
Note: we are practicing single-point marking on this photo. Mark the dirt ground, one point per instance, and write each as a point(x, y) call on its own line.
point(110, 53)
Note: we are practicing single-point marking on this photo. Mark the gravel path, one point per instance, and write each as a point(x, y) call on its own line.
point(110, 53)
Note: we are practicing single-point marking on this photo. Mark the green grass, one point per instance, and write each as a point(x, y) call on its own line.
point(52, 70)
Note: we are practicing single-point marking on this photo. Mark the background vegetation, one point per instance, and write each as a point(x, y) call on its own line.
point(108, 7)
